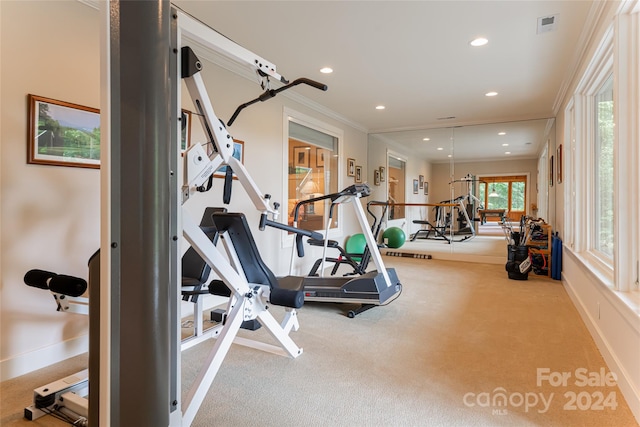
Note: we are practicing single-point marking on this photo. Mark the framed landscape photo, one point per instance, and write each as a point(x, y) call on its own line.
point(426, 188)
point(376, 177)
point(238, 153)
point(415, 186)
point(358, 173)
point(62, 134)
point(382, 173)
point(421, 179)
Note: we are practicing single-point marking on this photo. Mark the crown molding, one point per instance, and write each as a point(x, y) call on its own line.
point(594, 19)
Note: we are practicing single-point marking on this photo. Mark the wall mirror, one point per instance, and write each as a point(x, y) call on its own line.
point(486, 170)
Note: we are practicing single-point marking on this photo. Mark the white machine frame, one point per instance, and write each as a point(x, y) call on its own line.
point(248, 301)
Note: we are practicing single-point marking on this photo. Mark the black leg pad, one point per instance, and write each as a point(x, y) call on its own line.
point(217, 287)
point(68, 285)
point(289, 293)
point(38, 278)
point(287, 298)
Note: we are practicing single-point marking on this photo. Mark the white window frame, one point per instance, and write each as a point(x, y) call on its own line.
point(596, 74)
point(616, 55)
point(290, 115)
point(626, 139)
point(569, 160)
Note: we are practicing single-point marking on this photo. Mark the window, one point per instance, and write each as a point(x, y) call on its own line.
point(594, 218)
point(504, 192)
point(603, 168)
point(312, 172)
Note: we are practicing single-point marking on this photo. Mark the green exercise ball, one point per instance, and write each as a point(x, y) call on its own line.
point(394, 237)
point(356, 244)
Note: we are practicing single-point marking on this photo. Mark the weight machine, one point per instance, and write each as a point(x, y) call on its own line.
point(126, 390)
point(466, 206)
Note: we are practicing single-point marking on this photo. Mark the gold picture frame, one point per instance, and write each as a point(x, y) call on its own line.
point(62, 133)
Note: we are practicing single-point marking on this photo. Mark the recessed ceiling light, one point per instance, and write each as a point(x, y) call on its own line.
point(426, 139)
point(307, 148)
point(507, 152)
point(380, 107)
point(502, 133)
point(449, 155)
point(505, 145)
point(326, 70)
point(491, 94)
point(480, 41)
point(440, 148)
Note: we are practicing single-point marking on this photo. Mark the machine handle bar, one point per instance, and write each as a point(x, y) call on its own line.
point(268, 94)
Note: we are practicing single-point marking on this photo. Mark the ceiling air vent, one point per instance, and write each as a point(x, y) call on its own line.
point(547, 23)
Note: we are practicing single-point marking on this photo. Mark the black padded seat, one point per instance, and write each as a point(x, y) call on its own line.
point(289, 293)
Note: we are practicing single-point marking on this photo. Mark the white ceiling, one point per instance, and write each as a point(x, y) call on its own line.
point(414, 57)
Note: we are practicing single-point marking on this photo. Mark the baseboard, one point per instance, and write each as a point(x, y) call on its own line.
point(624, 380)
point(41, 358)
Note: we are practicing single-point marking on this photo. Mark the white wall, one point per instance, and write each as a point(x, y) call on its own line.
point(377, 153)
point(50, 215)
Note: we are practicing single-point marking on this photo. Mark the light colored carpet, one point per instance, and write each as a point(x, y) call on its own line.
point(458, 330)
point(489, 246)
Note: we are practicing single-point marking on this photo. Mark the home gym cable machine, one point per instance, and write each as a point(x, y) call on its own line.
point(134, 356)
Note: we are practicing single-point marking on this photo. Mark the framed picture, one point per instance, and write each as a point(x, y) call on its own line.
point(421, 179)
point(320, 152)
point(415, 186)
point(185, 130)
point(301, 156)
point(382, 173)
point(551, 171)
point(238, 153)
point(426, 188)
point(358, 173)
point(376, 177)
point(351, 167)
point(62, 133)
point(559, 166)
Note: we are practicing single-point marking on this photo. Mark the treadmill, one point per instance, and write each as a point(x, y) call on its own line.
point(371, 289)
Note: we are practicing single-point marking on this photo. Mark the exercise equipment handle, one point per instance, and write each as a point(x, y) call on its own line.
point(300, 231)
point(270, 93)
point(353, 190)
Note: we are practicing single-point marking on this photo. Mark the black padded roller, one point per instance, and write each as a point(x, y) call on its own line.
point(38, 278)
point(287, 298)
point(68, 285)
point(289, 292)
